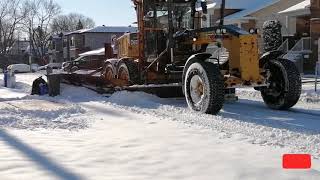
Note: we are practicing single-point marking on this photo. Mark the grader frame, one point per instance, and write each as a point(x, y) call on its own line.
point(171, 47)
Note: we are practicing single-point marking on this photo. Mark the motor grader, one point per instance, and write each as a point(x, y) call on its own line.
point(170, 47)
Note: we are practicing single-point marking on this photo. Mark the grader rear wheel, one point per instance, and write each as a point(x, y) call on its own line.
point(128, 71)
point(123, 73)
point(108, 72)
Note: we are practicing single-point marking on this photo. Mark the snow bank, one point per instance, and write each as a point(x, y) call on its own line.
point(137, 99)
point(298, 130)
point(35, 114)
point(22, 89)
point(140, 136)
point(308, 94)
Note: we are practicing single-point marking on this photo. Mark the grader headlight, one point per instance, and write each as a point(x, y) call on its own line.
point(221, 31)
point(254, 31)
point(224, 31)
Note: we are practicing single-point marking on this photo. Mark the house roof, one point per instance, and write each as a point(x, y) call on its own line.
point(247, 7)
point(112, 29)
point(209, 6)
point(76, 32)
point(305, 5)
point(105, 29)
point(245, 4)
point(96, 52)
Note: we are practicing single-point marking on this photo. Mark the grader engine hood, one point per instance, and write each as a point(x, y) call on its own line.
point(212, 34)
point(241, 45)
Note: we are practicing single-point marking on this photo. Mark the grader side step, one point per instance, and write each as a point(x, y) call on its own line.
point(231, 98)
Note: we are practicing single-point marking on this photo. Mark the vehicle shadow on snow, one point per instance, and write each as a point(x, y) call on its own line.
point(143, 100)
point(297, 119)
point(250, 111)
point(41, 160)
point(103, 110)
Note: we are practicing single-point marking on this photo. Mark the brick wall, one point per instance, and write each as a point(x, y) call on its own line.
point(314, 31)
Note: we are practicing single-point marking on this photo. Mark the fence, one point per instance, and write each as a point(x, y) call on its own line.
point(303, 45)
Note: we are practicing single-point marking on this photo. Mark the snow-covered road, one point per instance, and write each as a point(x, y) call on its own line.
point(83, 135)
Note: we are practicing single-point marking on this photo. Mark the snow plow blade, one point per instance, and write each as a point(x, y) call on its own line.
point(95, 83)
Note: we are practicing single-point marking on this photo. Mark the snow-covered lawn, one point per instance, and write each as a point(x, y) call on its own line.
point(84, 135)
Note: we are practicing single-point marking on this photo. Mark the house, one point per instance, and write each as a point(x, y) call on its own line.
point(212, 16)
point(77, 42)
point(73, 44)
point(56, 49)
point(248, 14)
point(20, 47)
point(304, 20)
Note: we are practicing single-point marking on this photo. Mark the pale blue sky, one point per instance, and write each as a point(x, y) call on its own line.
point(103, 12)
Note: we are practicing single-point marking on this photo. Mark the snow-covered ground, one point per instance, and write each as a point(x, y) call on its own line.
point(84, 135)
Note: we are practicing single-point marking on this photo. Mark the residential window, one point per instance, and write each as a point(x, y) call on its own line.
point(72, 41)
point(54, 45)
point(212, 20)
point(65, 42)
point(83, 40)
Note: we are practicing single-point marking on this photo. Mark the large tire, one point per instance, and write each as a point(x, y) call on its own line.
point(204, 88)
point(74, 68)
point(128, 71)
point(285, 85)
point(108, 72)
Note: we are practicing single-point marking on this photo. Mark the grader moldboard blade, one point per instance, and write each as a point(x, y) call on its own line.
point(95, 84)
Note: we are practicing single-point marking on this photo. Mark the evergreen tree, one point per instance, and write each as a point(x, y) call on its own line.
point(79, 25)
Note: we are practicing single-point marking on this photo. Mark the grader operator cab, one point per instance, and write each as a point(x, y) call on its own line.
point(171, 47)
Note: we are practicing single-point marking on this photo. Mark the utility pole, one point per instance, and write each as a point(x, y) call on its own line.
point(30, 46)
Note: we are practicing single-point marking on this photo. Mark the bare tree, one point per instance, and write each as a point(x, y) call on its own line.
point(11, 16)
point(37, 23)
point(71, 22)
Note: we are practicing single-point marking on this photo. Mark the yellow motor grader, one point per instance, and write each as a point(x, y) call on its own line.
point(170, 47)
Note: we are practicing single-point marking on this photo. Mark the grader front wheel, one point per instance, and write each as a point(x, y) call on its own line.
point(284, 85)
point(204, 88)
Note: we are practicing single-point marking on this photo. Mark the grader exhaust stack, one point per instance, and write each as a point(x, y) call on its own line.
point(223, 7)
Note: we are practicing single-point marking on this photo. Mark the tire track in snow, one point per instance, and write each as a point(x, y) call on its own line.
point(263, 131)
